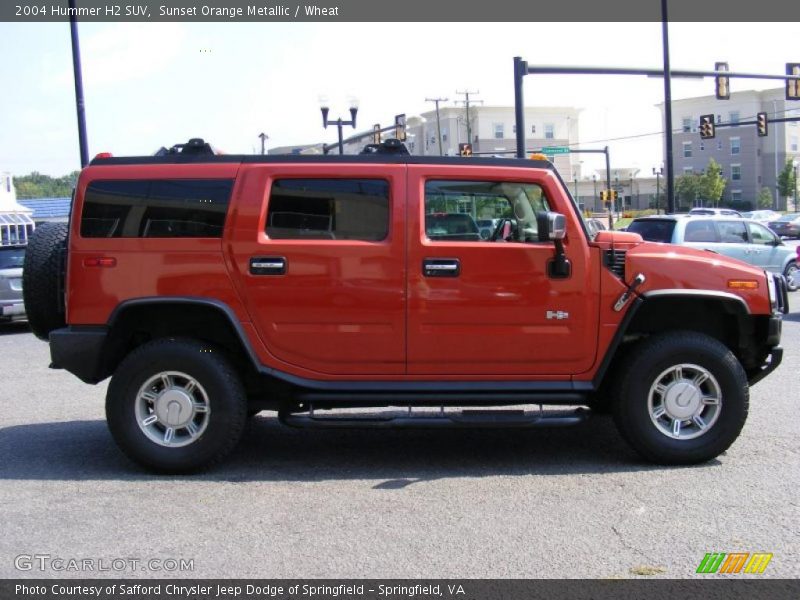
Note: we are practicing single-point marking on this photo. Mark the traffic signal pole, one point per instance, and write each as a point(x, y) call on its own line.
point(667, 109)
point(522, 68)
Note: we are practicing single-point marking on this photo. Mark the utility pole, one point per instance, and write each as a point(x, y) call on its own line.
point(466, 102)
point(438, 122)
point(264, 137)
point(667, 110)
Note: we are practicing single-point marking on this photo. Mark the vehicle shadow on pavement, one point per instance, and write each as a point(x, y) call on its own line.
point(14, 328)
point(392, 459)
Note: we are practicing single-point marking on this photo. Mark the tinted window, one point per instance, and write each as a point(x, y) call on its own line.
point(732, 232)
point(156, 208)
point(700, 231)
point(329, 209)
point(653, 230)
point(11, 258)
point(453, 207)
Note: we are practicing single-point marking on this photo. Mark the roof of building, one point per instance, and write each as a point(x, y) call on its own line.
point(47, 208)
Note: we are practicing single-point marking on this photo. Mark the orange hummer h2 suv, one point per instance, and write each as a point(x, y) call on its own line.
point(212, 287)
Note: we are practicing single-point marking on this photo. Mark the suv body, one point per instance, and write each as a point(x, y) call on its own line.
point(744, 239)
point(719, 212)
point(210, 287)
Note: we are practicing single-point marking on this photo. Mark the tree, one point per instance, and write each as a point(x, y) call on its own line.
point(36, 185)
point(712, 183)
point(764, 199)
point(787, 183)
point(687, 188)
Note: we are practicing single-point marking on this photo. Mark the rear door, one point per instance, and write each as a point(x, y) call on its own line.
point(481, 308)
point(319, 257)
point(766, 248)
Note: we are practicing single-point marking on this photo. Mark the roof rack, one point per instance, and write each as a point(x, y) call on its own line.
point(195, 146)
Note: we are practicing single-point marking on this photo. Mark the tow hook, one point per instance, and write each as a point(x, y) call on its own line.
point(626, 295)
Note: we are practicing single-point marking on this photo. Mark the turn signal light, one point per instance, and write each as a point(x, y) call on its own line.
point(100, 261)
point(742, 284)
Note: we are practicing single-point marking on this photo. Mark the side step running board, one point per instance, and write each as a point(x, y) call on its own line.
point(484, 419)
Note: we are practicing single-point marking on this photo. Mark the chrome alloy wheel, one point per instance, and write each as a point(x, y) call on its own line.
point(172, 409)
point(684, 401)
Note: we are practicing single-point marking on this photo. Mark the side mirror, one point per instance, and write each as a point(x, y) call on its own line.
point(552, 226)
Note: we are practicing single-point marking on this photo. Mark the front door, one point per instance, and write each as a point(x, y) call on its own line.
point(482, 306)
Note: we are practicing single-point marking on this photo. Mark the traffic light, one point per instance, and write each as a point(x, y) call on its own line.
point(608, 195)
point(376, 133)
point(761, 124)
point(722, 87)
point(465, 149)
point(793, 85)
point(707, 128)
point(400, 127)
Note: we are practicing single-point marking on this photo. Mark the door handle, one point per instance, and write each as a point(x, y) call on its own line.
point(268, 265)
point(441, 267)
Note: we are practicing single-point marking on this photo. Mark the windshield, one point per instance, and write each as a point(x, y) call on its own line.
point(653, 230)
point(11, 258)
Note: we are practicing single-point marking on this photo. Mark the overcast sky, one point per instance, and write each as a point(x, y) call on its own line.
point(151, 85)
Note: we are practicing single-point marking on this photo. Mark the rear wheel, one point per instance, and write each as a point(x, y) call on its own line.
point(683, 399)
point(790, 273)
point(176, 406)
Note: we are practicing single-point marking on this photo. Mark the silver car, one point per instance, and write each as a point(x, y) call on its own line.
point(11, 305)
point(745, 239)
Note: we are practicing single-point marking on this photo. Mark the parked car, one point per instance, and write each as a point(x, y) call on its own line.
point(487, 227)
point(722, 212)
point(11, 303)
point(451, 226)
point(744, 239)
point(787, 225)
point(762, 216)
point(594, 225)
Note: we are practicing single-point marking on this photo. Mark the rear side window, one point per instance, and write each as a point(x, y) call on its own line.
point(700, 231)
point(328, 209)
point(653, 230)
point(157, 208)
point(732, 232)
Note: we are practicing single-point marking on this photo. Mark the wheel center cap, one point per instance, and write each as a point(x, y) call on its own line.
point(682, 400)
point(174, 408)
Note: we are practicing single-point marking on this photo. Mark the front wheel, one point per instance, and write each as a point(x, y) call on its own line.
point(682, 398)
point(790, 273)
point(176, 406)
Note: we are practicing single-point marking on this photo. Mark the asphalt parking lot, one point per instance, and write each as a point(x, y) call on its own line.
point(556, 503)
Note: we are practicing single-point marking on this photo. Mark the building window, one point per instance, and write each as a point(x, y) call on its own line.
point(499, 131)
point(688, 170)
point(687, 149)
point(719, 144)
point(736, 172)
point(736, 145)
point(793, 143)
point(549, 131)
point(736, 195)
point(734, 117)
point(444, 134)
point(702, 146)
point(328, 209)
point(514, 129)
point(687, 124)
point(533, 128)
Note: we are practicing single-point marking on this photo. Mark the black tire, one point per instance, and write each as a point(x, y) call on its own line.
point(654, 356)
point(226, 401)
point(43, 277)
point(791, 274)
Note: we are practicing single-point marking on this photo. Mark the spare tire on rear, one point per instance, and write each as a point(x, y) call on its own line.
point(43, 279)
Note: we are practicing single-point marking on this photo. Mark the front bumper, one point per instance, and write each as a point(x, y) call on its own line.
point(775, 357)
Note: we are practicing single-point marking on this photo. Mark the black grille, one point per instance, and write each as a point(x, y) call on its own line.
point(615, 261)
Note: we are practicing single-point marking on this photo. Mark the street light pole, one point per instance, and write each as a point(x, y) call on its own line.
point(667, 107)
point(438, 122)
point(339, 122)
point(594, 201)
point(78, 75)
point(658, 173)
point(264, 137)
point(794, 164)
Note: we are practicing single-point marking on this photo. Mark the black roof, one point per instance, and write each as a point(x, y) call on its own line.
point(321, 159)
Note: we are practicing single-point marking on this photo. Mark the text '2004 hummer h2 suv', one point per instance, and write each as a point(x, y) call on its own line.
point(211, 287)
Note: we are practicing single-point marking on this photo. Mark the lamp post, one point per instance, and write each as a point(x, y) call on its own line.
point(324, 108)
point(794, 164)
point(264, 137)
point(658, 173)
point(575, 178)
point(616, 187)
point(594, 181)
